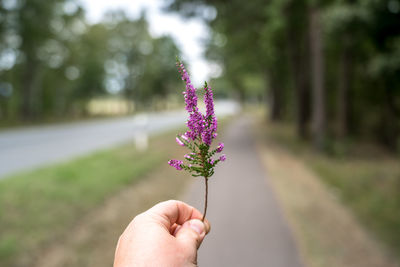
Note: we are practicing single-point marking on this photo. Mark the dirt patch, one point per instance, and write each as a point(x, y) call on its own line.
point(92, 241)
point(327, 232)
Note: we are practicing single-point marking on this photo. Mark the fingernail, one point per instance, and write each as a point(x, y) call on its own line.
point(197, 226)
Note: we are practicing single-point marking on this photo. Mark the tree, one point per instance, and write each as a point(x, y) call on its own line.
point(33, 31)
point(299, 48)
point(318, 86)
point(141, 64)
point(52, 62)
point(346, 51)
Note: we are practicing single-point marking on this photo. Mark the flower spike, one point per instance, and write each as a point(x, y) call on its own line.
point(202, 130)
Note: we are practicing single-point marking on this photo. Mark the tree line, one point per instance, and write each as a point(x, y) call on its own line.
point(332, 67)
point(52, 61)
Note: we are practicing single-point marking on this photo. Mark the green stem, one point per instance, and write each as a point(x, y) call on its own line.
point(206, 199)
point(205, 174)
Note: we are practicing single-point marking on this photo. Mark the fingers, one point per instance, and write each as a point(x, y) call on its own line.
point(173, 222)
point(175, 212)
point(190, 236)
point(174, 228)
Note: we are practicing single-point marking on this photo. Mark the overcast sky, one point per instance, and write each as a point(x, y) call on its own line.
point(187, 33)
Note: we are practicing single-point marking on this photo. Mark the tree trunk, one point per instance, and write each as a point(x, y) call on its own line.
point(28, 77)
point(275, 99)
point(299, 60)
point(389, 132)
point(240, 93)
point(318, 88)
point(344, 80)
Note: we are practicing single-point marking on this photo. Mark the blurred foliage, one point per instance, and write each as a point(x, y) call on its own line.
point(52, 62)
point(332, 67)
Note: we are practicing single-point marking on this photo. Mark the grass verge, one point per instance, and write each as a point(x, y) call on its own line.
point(92, 241)
point(365, 178)
point(37, 207)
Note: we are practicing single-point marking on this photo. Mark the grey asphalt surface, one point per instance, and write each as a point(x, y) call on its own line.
point(29, 148)
point(33, 147)
point(247, 225)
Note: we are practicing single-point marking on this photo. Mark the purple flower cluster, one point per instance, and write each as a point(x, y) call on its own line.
point(195, 124)
point(204, 126)
point(220, 147)
point(210, 131)
point(190, 93)
point(177, 164)
point(202, 129)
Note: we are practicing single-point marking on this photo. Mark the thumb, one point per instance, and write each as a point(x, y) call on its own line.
point(191, 234)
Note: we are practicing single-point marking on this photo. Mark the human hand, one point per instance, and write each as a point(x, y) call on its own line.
point(168, 234)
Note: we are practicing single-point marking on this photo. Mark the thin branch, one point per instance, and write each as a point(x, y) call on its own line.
point(205, 199)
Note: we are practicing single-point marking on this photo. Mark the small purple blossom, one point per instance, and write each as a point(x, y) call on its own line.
point(177, 164)
point(185, 137)
point(220, 147)
point(189, 157)
point(222, 157)
point(211, 161)
point(179, 141)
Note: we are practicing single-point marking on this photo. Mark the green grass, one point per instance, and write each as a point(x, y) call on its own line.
point(365, 177)
point(37, 207)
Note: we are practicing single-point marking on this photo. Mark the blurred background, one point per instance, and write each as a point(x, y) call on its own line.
point(90, 102)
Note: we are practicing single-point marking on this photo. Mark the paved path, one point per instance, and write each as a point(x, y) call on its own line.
point(32, 147)
point(248, 228)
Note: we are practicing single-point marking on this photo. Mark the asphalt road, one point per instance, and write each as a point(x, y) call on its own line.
point(247, 225)
point(32, 147)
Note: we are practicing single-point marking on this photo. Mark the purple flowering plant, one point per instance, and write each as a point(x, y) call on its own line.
point(202, 130)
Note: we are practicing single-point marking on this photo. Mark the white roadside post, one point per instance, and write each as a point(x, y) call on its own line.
point(141, 136)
